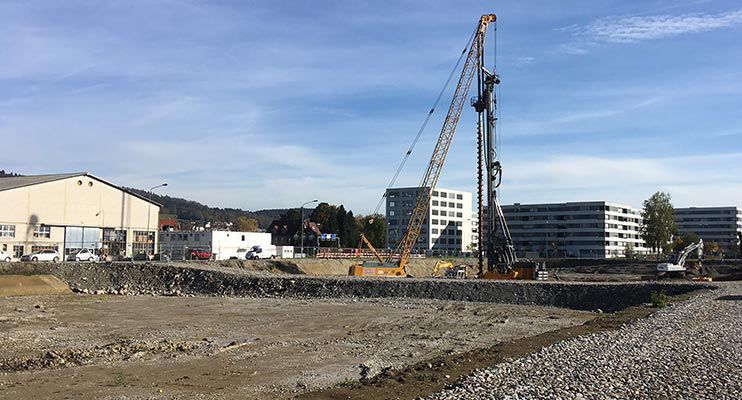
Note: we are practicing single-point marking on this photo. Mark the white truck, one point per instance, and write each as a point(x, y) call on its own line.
point(261, 252)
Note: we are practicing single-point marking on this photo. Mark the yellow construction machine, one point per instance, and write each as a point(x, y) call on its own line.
point(449, 271)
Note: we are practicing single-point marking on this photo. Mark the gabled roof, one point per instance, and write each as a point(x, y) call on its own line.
point(15, 182)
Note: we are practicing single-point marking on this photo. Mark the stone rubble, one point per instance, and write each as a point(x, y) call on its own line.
point(688, 350)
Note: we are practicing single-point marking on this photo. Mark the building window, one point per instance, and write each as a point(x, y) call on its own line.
point(435, 193)
point(40, 247)
point(7, 230)
point(459, 215)
point(435, 222)
point(42, 231)
point(435, 231)
point(435, 202)
point(435, 212)
point(391, 213)
point(459, 197)
point(451, 205)
point(443, 213)
point(459, 205)
point(393, 222)
point(391, 204)
point(443, 204)
point(444, 194)
point(443, 222)
point(18, 251)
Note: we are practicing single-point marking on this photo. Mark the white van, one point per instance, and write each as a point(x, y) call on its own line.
point(261, 252)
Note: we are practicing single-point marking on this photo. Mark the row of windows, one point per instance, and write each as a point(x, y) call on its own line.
point(448, 195)
point(40, 231)
point(445, 214)
point(446, 231)
point(449, 204)
point(727, 219)
point(706, 226)
point(709, 212)
point(410, 193)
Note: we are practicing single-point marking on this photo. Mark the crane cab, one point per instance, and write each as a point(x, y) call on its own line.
point(369, 268)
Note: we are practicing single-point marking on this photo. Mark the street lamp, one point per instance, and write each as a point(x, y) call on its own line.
point(301, 224)
point(149, 205)
point(546, 240)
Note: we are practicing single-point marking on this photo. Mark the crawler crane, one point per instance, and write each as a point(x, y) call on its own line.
point(501, 256)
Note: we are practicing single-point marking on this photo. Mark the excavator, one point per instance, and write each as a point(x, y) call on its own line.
point(678, 267)
point(501, 256)
point(449, 270)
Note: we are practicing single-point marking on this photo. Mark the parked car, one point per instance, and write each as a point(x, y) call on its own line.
point(83, 255)
point(4, 256)
point(199, 254)
point(161, 257)
point(42, 255)
point(140, 257)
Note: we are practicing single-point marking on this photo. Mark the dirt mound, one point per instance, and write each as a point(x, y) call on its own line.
point(31, 285)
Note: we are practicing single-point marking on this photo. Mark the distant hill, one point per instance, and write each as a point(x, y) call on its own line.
point(190, 210)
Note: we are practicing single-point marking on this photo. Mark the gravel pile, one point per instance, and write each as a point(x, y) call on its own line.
point(689, 350)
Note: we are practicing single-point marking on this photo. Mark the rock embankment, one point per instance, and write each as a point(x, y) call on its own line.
point(190, 279)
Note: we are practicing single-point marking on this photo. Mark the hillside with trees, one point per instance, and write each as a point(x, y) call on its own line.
point(189, 210)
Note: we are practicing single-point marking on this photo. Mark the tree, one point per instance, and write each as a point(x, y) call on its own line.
point(244, 224)
point(374, 227)
point(628, 251)
point(326, 216)
point(684, 240)
point(659, 223)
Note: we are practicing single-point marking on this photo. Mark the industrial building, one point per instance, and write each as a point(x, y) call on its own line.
point(594, 229)
point(447, 227)
point(223, 245)
point(69, 212)
point(721, 225)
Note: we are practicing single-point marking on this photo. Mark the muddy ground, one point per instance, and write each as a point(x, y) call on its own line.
point(137, 347)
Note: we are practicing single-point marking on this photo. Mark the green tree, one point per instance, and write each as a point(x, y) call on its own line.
point(684, 240)
point(326, 216)
point(374, 227)
point(628, 251)
point(244, 224)
point(659, 223)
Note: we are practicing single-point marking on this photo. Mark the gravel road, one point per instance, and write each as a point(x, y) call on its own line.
point(689, 350)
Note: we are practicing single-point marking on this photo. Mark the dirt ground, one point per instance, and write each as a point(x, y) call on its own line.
point(137, 347)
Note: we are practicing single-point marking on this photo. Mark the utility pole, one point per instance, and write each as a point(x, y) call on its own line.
point(301, 225)
point(149, 205)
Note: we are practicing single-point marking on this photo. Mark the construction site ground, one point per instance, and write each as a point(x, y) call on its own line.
point(185, 345)
point(108, 346)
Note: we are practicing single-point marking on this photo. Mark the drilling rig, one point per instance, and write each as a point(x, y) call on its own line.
point(500, 251)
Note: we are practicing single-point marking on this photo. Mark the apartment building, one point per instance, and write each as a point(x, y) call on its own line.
point(594, 229)
point(447, 227)
point(713, 224)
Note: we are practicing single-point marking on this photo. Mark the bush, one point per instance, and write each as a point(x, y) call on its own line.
point(659, 299)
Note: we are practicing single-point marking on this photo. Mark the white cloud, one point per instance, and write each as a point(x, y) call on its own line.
point(691, 180)
point(633, 29)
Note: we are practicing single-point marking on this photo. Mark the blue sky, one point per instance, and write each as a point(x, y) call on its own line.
point(268, 104)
